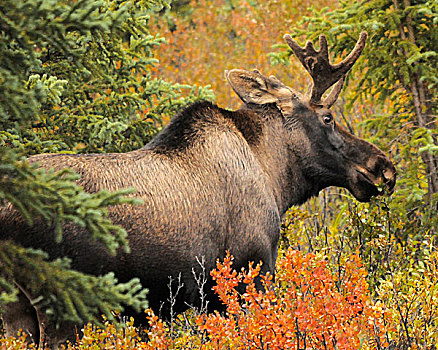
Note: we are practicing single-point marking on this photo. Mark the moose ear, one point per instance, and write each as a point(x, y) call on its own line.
point(251, 87)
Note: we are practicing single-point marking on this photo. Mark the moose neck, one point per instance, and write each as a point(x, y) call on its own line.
point(282, 162)
point(262, 126)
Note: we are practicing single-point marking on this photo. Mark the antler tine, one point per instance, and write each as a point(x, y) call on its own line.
point(323, 73)
point(349, 61)
point(334, 94)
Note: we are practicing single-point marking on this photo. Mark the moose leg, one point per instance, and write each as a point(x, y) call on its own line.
point(56, 335)
point(21, 315)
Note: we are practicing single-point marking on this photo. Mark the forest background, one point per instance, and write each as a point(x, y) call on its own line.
point(105, 76)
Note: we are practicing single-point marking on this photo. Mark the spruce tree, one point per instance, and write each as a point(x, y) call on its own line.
point(75, 77)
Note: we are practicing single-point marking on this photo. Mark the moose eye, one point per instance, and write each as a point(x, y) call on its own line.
point(328, 119)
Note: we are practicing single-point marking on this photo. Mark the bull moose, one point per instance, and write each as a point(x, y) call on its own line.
point(215, 180)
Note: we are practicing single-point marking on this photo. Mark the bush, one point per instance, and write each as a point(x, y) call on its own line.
point(306, 307)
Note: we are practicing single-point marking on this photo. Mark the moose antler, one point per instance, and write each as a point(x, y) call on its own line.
point(323, 73)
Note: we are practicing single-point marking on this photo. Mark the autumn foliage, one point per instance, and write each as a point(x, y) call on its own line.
point(385, 296)
point(306, 307)
point(216, 35)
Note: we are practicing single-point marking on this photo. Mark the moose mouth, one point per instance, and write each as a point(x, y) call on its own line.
point(369, 185)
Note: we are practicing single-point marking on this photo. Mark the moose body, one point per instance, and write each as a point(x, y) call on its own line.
point(214, 181)
point(204, 191)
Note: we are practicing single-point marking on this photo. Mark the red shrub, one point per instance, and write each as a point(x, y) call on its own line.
point(306, 307)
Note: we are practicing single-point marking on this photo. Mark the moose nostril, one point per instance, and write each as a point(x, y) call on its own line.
point(383, 168)
point(388, 174)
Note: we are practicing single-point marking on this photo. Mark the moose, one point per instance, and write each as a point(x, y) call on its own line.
point(215, 180)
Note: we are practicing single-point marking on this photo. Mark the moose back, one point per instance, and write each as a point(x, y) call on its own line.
point(216, 180)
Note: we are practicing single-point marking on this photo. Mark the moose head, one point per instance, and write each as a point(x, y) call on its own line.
point(328, 154)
